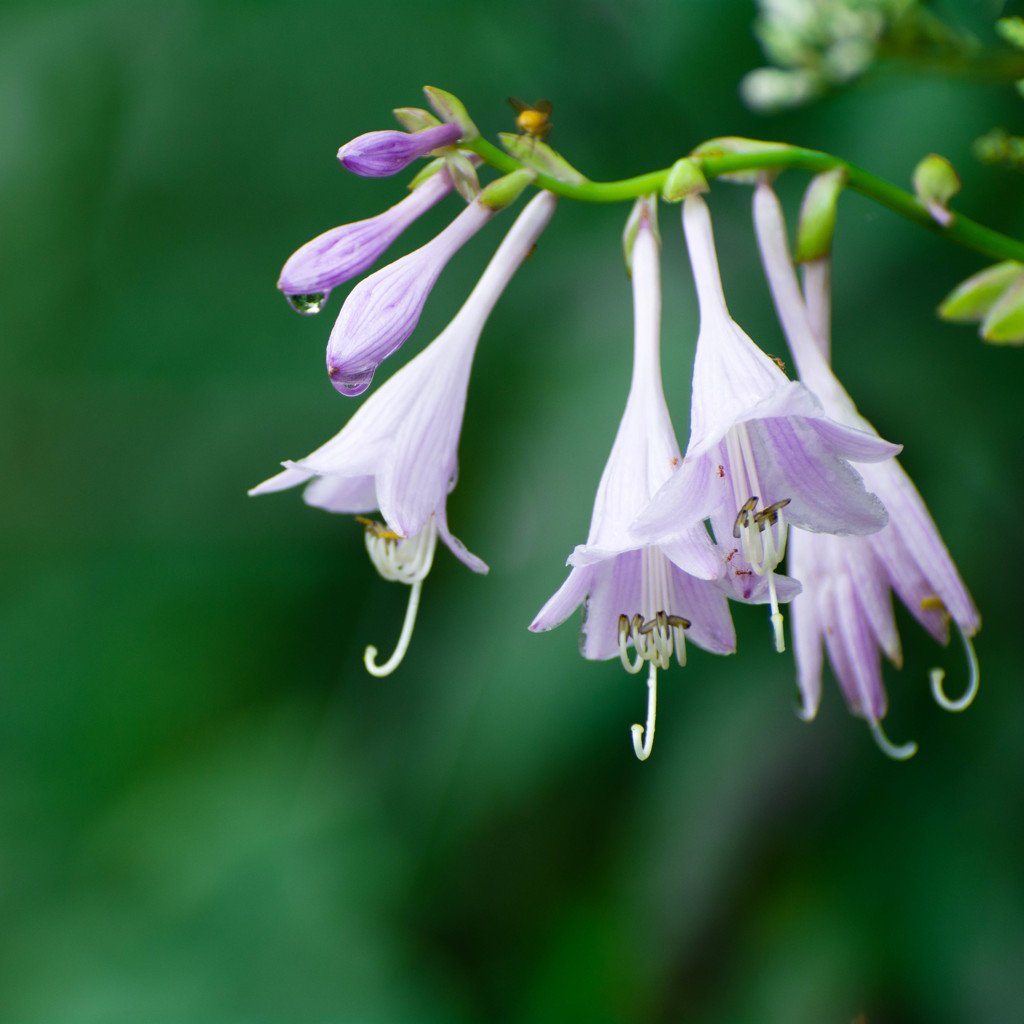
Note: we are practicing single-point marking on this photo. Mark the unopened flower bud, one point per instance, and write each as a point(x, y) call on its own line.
point(684, 179)
point(379, 154)
point(935, 183)
point(506, 190)
point(817, 222)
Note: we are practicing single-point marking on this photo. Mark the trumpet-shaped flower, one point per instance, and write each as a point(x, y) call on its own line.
point(380, 154)
point(383, 309)
point(344, 252)
point(763, 454)
point(633, 594)
point(398, 453)
point(846, 601)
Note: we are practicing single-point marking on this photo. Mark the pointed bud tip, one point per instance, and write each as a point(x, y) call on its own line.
point(349, 384)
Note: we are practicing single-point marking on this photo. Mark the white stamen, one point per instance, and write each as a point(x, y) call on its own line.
point(762, 537)
point(938, 675)
point(625, 631)
point(370, 655)
point(643, 737)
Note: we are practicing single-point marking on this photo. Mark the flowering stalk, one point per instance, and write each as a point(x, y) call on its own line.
point(774, 156)
point(398, 453)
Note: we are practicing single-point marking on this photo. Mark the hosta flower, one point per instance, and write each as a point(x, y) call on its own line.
point(344, 252)
point(379, 154)
point(383, 309)
point(846, 600)
point(763, 454)
point(398, 453)
point(634, 596)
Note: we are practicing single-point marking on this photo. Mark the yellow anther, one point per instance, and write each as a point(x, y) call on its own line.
point(378, 529)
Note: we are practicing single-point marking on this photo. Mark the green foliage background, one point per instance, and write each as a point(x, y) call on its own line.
point(208, 812)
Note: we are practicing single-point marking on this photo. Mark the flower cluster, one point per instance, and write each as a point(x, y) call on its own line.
point(675, 535)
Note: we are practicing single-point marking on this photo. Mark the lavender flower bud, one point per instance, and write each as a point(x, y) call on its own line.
point(379, 154)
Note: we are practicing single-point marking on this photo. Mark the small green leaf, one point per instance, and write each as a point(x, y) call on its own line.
point(684, 179)
point(450, 109)
point(541, 157)
point(817, 222)
point(971, 300)
point(415, 119)
point(1004, 324)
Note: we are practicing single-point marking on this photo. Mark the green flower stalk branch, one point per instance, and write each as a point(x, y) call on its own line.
point(717, 162)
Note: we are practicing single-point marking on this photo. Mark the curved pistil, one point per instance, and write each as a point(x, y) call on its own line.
point(404, 560)
point(938, 675)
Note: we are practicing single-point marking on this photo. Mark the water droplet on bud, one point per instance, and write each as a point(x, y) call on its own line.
point(308, 305)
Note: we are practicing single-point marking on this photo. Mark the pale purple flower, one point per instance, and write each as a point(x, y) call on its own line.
point(633, 594)
point(762, 454)
point(846, 601)
point(398, 453)
point(379, 154)
point(383, 309)
point(344, 252)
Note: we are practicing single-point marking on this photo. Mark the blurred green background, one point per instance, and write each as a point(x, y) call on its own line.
point(208, 811)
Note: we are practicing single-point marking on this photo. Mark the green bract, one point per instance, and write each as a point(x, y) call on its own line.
point(971, 300)
point(817, 222)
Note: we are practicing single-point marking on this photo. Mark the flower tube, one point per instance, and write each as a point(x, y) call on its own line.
point(846, 602)
point(399, 452)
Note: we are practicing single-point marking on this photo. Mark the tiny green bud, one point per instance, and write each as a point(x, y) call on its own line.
point(451, 110)
point(734, 145)
point(541, 157)
point(504, 191)
point(415, 119)
point(1004, 324)
point(935, 183)
point(817, 223)
point(1012, 30)
point(974, 298)
point(685, 178)
point(645, 210)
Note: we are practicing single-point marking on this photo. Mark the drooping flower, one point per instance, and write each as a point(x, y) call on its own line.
point(344, 252)
point(633, 594)
point(380, 154)
point(763, 454)
point(846, 601)
point(398, 453)
point(383, 309)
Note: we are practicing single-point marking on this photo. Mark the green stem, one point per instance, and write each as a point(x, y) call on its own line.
point(961, 230)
